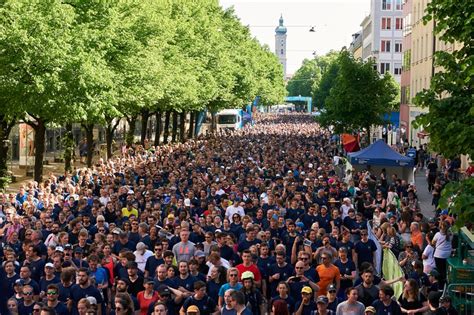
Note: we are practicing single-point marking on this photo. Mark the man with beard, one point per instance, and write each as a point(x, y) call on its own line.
point(83, 289)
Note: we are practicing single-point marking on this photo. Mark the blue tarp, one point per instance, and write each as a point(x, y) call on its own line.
point(379, 153)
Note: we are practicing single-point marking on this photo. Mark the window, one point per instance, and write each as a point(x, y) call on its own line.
point(397, 68)
point(387, 5)
point(384, 67)
point(398, 5)
point(282, 51)
point(398, 23)
point(385, 46)
point(386, 23)
point(398, 46)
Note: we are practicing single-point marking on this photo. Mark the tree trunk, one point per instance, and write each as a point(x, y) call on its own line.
point(89, 128)
point(213, 122)
point(158, 128)
point(174, 131)
point(182, 126)
point(191, 125)
point(40, 135)
point(143, 134)
point(196, 122)
point(68, 147)
point(109, 136)
point(5, 128)
point(166, 133)
point(132, 123)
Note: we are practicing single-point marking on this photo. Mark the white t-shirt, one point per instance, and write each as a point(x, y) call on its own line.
point(428, 263)
point(231, 210)
point(345, 210)
point(443, 247)
point(141, 259)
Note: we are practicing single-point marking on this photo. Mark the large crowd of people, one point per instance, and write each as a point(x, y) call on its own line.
point(263, 220)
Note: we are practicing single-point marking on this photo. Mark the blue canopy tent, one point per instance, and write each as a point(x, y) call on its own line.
point(378, 156)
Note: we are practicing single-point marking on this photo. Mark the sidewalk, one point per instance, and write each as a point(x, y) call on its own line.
point(22, 179)
point(424, 196)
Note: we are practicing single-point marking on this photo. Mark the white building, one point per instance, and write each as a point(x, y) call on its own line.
point(382, 36)
point(280, 44)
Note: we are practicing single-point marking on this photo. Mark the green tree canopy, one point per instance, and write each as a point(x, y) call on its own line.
point(449, 100)
point(358, 97)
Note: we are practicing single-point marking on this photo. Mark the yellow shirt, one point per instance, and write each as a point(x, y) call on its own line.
point(127, 213)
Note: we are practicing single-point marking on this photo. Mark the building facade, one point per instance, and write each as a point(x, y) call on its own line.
point(356, 45)
point(382, 36)
point(280, 44)
point(405, 81)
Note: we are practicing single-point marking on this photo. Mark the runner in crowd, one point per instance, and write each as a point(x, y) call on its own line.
point(260, 220)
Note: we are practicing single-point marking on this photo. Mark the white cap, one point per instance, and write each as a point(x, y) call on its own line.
point(49, 265)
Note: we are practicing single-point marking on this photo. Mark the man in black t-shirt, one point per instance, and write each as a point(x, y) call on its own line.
point(200, 299)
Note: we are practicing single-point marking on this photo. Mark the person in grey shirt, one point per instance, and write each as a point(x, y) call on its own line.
point(184, 250)
point(351, 306)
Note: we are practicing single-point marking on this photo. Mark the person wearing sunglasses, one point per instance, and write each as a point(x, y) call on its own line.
point(407, 258)
point(233, 283)
point(365, 249)
point(123, 304)
point(52, 294)
point(26, 306)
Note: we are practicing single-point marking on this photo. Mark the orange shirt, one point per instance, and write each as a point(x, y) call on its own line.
point(417, 239)
point(327, 275)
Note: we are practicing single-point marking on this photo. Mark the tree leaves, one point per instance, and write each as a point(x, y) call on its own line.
point(352, 95)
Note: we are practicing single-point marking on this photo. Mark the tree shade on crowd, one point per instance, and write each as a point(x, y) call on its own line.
point(379, 156)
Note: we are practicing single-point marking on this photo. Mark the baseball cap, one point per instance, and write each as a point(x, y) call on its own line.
point(370, 309)
point(307, 289)
point(247, 275)
point(149, 280)
point(300, 224)
point(199, 253)
point(322, 299)
point(92, 300)
point(164, 290)
point(332, 287)
point(444, 212)
point(68, 246)
point(192, 308)
point(49, 265)
point(434, 273)
point(59, 249)
point(19, 282)
point(78, 250)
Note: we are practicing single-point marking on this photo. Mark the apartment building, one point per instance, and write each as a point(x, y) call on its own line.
point(382, 36)
point(420, 44)
point(405, 80)
point(356, 45)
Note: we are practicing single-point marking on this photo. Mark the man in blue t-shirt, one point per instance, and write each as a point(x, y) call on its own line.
point(84, 289)
point(385, 305)
point(365, 249)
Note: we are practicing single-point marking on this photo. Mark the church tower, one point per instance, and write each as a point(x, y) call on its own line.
point(280, 44)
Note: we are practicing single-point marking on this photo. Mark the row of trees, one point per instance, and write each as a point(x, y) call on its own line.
point(450, 99)
point(96, 62)
point(350, 94)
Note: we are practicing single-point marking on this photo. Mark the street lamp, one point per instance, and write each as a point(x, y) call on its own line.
point(312, 29)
